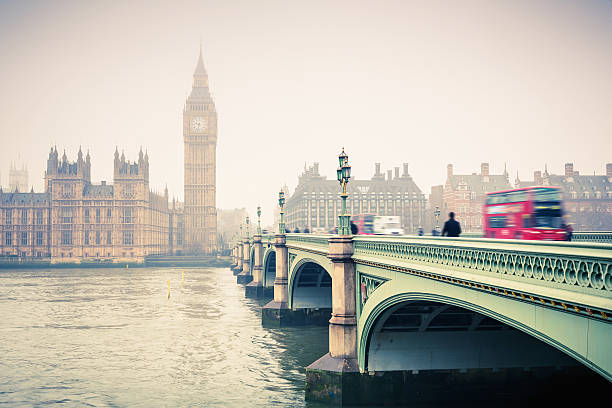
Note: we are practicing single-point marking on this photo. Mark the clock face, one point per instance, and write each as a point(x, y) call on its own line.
point(198, 124)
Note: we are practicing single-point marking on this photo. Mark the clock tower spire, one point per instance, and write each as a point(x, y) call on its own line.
point(200, 140)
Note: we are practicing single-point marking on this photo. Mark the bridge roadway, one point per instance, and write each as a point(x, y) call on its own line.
point(428, 306)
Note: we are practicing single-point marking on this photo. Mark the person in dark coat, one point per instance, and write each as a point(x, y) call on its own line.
point(354, 228)
point(451, 227)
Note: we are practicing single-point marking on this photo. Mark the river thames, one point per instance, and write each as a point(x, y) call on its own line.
point(113, 337)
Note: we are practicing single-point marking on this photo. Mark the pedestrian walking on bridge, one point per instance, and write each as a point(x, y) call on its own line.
point(451, 227)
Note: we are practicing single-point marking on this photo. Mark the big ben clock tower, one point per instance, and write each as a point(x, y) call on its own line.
point(200, 138)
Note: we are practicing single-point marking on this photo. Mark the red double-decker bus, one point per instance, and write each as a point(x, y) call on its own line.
point(365, 223)
point(526, 213)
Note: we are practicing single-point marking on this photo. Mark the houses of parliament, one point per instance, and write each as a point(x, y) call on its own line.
point(75, 220)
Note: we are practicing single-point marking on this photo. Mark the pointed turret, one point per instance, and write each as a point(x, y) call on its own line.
point(517, 181)
point(200, 77)
point(200, 69)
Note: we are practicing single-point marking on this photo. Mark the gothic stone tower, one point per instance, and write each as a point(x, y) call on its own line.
point(200, 137)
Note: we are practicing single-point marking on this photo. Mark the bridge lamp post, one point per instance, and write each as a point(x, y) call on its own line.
point(281, 203)
point(437, 215)
point(247, 227)
point(344, 174)
point(258, 220)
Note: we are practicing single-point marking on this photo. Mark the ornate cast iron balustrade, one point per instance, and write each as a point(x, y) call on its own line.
point(583, 265)
point(314, 243)
point(593, 236)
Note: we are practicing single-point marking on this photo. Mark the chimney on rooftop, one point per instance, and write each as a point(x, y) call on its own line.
point(389, 175)
point(449, 170)
point(484, 172)
point(537, 178)
point(484, 169)
point(397, 172)
point(569, 170)
point(609, 171)
point(405, 170)
point(376, 169)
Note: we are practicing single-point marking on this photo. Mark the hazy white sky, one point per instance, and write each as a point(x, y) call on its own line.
point(424, 82)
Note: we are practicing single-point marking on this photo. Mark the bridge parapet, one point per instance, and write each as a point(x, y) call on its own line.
point(593, 236)
point(309, 242)
point(579, 274)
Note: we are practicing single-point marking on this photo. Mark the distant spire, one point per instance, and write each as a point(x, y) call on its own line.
point(200, 69)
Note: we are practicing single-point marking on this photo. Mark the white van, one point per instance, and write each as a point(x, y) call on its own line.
point(388, 225)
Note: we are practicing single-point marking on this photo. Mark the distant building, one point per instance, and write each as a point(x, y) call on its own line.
point(435, 202)
point(316, 203)
point(75, 220)
point(228, 225)
point(18, 179)
point(464, 195)
point(587, 198)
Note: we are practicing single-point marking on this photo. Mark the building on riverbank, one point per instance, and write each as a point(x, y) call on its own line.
point(75, 220)
point(315, 203)
point(587, 198)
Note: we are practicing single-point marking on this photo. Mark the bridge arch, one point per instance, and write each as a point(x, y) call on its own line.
point(393, 335)
point(310, 285)
point(269, 267)
point(252, 258)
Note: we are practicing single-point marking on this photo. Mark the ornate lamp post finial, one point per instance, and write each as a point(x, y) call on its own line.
point(258, 220)
point(247, 227)
point(344, 174)
point(437, 215)
point(281, 203)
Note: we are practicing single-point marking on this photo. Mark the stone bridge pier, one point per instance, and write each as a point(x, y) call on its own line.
point(238, 265)
point(245, 276)
point(337, 372)
point(255, 288)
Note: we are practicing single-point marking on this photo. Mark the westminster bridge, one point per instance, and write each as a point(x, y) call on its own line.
point(408, 311)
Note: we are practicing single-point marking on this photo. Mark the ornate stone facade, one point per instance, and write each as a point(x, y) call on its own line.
point(316, 203)
point(464, 195)
point(200, 138)
point(587, 198)
point(75, 220)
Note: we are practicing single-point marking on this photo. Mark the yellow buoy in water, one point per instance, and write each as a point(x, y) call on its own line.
point(168, 281)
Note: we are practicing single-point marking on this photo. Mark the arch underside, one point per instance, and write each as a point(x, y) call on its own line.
point(427, 335)
point(311, 287)
point(269, 269)
point(252, 263)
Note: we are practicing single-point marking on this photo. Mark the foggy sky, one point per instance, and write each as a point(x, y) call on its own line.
point(526, 83)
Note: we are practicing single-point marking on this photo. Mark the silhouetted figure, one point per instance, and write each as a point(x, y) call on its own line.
point(420, 232)
point(569, 231)
point(306, 230)
point(354, 228)
point(296, 230)
point(451, 227)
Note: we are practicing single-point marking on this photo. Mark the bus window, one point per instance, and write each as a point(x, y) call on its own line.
point(517, 196)
point(498, 221)
point(547, 194)
point(527, 221)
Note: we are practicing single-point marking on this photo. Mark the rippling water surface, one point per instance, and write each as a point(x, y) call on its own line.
point(112, 337)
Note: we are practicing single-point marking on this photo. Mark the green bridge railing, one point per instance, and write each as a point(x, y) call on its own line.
point(593, 236)
point(571, 265)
